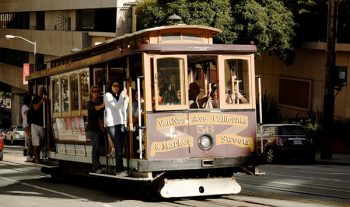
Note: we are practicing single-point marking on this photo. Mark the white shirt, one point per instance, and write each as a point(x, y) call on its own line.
point(24, 116)
point(115, 109)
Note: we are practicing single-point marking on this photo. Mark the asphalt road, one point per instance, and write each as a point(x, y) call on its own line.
point(22, 184)
point(327, 185)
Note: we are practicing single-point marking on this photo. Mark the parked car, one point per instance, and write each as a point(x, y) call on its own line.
point(2, 137)
point(15, 133)
point(286, 141)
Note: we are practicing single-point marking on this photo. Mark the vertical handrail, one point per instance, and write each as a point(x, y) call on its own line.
point(260, 114)
point(139, 114)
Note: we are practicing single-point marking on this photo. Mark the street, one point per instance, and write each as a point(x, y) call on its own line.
point(326, 184)
point(23, 184)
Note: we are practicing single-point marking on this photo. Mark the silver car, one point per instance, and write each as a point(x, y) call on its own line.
point(15, 133)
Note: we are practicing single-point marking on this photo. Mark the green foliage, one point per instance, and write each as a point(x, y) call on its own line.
point(215, 13)
point(4, 94)
point(301, 6)
point(268, 23)
point(312, 124)
point(305, 6)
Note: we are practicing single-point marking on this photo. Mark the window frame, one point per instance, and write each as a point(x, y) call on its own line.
point(69, 112)
point(53, 97)
point(77, 111)
point(183, 83)
point(251, 85)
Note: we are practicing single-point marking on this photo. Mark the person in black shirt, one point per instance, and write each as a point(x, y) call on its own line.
point(37, 122)
point(95, 126)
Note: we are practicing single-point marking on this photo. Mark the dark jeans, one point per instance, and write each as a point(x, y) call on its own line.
point(95, 138)
point(117, 134)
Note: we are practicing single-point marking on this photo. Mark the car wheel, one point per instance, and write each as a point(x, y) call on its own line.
point(270, 156)
point(1, 155)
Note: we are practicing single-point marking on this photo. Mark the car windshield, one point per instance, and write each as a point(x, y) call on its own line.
point(291, 130)
point(20, 128)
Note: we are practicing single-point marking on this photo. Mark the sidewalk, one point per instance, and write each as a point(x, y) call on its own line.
point(337, 159)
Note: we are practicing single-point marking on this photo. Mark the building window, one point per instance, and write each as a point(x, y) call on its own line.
point(40, 20)
point(13, 57)
point(85, 20)
point(19, 20)
point(100, 20)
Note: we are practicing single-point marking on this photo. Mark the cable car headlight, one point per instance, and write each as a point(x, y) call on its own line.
point(205, 142)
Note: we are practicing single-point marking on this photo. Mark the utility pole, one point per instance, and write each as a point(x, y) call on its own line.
point(328, 101)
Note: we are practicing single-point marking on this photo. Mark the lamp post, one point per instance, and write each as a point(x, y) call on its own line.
point(33, 43)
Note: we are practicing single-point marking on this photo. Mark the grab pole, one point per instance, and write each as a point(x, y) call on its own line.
point(139, 114)
point(260, 114)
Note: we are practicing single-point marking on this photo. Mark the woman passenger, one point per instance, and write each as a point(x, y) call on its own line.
point(116, 102)
point(95, 125)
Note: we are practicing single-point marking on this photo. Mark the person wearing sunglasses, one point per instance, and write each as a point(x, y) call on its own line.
point(94, 128)
point(116, 102)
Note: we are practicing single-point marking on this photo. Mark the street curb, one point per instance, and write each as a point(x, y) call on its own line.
point(330, 162)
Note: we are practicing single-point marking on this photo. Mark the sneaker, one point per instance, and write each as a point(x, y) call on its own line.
point(98, 171)
point(122, 173)
point(29, 159)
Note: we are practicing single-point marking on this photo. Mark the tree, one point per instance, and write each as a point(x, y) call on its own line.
point(215, 13)
point(266, 22)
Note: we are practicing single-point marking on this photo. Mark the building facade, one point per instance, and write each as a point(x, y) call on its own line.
point(57, 28)
point(299, 87)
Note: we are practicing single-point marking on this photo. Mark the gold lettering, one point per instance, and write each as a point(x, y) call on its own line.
point(235, 140)
point(170, 145)
point(170, 121)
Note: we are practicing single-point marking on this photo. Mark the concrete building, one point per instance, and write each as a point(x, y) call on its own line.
point(57, 28)
point(299, 87)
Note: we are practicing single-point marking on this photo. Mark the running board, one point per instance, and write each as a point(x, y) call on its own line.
point(174, 188)
point(120, 177)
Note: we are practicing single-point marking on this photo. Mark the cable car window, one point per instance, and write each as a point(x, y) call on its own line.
point(74, 91)
point(84, 89)
point(55, 95)
point(236, 81)
point(170, 82)
point(64, 94)
point(171, 36)
point(191, 37)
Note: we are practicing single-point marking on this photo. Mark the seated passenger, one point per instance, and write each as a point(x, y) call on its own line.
point(193, 93)
point(230, 99)
point(211, 101)
point(167, 91)
point(242, 98)
point(169, 97)
point(178, 97)
point(235, 98)
point(214, 98)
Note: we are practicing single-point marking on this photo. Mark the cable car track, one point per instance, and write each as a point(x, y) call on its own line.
point(275, 196)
